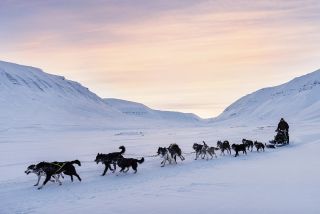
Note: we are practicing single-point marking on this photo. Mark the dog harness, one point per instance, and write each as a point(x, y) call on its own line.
point(59, 165)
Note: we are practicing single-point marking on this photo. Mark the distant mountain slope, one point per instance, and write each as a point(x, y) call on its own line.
point(30, 96)
point(298, 100)
point(142, 111)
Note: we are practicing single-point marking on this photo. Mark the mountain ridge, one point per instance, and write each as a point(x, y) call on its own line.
point(141, 110)
point(291, 99)
point(28, 95)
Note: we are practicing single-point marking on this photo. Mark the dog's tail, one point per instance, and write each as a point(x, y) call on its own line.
point(140, 161)
point(216, 148)
point(123, 149)
point(76, 162)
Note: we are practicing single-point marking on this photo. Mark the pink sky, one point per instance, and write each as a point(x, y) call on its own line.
point(191, 56)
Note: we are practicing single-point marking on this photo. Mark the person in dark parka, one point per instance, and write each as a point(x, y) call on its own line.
point(284, 127)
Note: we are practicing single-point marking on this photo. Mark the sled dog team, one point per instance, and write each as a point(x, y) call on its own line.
point(53, 171)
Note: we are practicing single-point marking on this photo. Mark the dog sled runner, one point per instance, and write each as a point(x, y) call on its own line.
point(276, 144)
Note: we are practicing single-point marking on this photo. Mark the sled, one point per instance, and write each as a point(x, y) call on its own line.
point(278, 144)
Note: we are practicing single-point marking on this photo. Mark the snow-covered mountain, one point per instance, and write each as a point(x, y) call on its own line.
point(140, 110)
point(296, 100)
point(30, 97)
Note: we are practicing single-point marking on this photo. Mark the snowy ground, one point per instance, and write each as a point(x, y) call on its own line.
point(285, 180)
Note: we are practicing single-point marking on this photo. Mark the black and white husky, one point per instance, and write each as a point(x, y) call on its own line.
point(200, 150)
point(175, 152)
point(40, 173)
point(204, 150)
point(170, 154)
point(209, 150)
point(165, 154)
point(53, 170)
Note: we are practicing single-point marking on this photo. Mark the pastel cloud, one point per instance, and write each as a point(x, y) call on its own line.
point(182, 55)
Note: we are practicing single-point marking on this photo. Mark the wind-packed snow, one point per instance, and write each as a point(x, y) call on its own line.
point(285, 180)
point(45, 117)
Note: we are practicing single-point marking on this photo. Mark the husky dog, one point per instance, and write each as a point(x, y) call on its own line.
point(40, 173)
point(72, 171)
point(126, 163)
point(209, 150)
point(175, 151)
point(165, 154)
point(198, 148)
point(55, 169)
point(111, 158)
point(239, 147)
point(170, 154)
point(259, 146)
point(248, 143)
point(225, 146)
